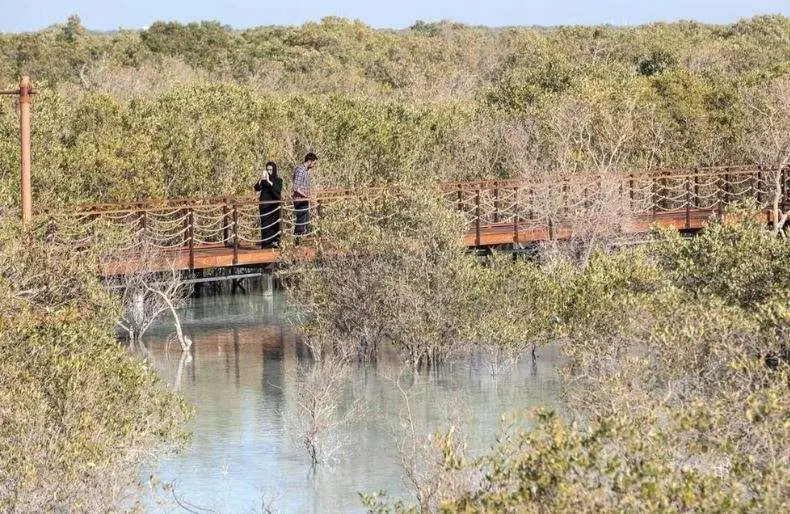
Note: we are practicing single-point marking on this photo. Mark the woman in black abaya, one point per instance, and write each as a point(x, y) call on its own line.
point(270, 188)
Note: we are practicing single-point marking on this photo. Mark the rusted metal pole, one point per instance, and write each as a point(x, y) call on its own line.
point(719, 201)
point(235, 235)
point(531, 203)
point(185, 230)
point(654, 197)
point(191, 218)
point(759, 185)
point(496, 202)
point(225, 238)
point(24, 139)
point(696, 189)
point(319, 214)
point(688, 203)
point(515, 215)
point(477, 217)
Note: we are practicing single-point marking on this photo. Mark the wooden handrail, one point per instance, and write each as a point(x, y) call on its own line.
point(453, 187)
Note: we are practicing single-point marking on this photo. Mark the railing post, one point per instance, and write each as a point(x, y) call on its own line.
point(143, 223)
point(496, 202)
point(515, 215)
point(225, 221)
point(235, 234)
point(185, 231)
point(653, 196)
point(631, 190)
point(758, 186)
point(319, 211)
point(477, 217)
point(696, 189)
point(719, 200)
point(688, 202)
point(24, 140)
point(531, 202)
point(191, 219)
point(459, 203)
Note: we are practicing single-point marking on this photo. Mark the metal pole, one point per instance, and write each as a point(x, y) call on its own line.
point(696, 189)
point(496, 202)
point(225, 241)
point(235, 235)
point(758, 186)
point(688, 203)
point(24, 136)
point(477, 217)
point(143, 222)
point(719, 201)
point(653, 197)
point(515, 215)
point(531, 203)
point(191, 218)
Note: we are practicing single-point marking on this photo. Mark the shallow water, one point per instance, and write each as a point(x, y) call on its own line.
point(242, 381)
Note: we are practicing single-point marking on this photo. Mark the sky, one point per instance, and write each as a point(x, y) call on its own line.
point(29, 15)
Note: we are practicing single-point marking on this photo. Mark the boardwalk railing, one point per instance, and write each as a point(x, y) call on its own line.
point(497, 212)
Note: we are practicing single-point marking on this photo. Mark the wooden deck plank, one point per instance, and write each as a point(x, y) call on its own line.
point(217, 256)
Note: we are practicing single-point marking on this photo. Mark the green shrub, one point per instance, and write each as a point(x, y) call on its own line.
point(78, 412)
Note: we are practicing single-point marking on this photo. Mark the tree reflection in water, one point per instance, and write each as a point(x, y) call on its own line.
point(243, 381)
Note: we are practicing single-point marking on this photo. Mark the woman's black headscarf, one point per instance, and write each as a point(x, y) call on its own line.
point(274, 168)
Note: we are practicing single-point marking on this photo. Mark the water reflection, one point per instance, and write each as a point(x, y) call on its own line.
point(242, 381)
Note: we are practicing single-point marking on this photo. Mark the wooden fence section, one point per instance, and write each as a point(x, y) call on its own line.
point(221, 232)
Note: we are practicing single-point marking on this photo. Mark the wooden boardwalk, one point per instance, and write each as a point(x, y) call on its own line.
point(194, 234)
point(210, 256)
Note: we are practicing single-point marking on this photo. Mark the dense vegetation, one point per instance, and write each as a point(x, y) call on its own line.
point(676, 379)
point(78, 412)
point(676, 359)
point(196, 109)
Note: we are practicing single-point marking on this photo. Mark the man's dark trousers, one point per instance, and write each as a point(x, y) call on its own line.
point(302, 212)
